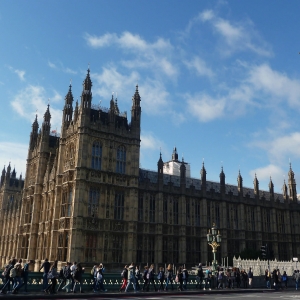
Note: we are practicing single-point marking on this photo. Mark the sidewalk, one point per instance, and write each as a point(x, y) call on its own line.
point(77, 295)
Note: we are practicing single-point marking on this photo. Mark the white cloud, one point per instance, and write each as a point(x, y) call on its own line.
point(52, 65)
point(234, 36)
point(154, 96)
point(199, 66)
point(32, 100)
point(102, 41)
point(61, 67)
point(155, 56)
point(16, 153)
point(281, 148)
point(277, 85)
point(20, 73)
point(205, 108)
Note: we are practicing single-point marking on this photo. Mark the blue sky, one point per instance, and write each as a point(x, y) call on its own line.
point(220, 80)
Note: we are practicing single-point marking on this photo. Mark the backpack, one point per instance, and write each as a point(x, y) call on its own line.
point(150, 274)
point(7, 270)
point(99, 276)
point(124, 273)
point(145, 275)
point(66, 272)
point(92, 271)
point(159, 275)
point(13, 273)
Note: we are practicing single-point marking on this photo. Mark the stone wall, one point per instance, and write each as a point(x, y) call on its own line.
point(259, 266)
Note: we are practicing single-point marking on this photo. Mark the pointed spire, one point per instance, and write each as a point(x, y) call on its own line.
point(292, 184)
point(46, 124)
point(222, 177)
point(203, 174)
point(271, 188)
point(87, 83)
point(240, 183)
point(2, 176)
point(8, 171)
point(86, 95)
point(76, 112)
point(175, 154)
point(68, 108)
point(256, 186)
point(182, 170)
point(136, 99)
point(34, 134)
point(284, 190)
point(13, 174)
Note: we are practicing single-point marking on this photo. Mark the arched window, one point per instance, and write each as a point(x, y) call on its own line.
point(96, 156)
point(121, 160)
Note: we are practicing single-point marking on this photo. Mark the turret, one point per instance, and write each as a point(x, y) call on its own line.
point(292, 185)
point(175, 154)
point(182, 172)
point(203, 177)
point(86, 95)
point(160, 171)
point(68, 108)
point(112, 112)
point(34, 134)
point(2, 176)
point(271, 189)
point(284, 191)
point(222, 180)
point(256, 187)
point(13, 174)
point(76, 112)
point(136, 111)
point(46, 124)
point(240, 183)
point(8, 172)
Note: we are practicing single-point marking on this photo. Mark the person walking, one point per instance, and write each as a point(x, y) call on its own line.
point(161, 278)
point(46, 266)
point(124, 276)
point(238, 278)
point(78, 278)
point(68, 277)
point(207, 278)
point(179, 278)
point(131, 278)
point(6, 275)
point(267, 278)
point(137, 275)
point(145, 278)
point(100, 278)
point(52, 275)
point(25, 277)
point(244, 278)
point(150, 277)
point(199, 276)
point(296, 277)
point(284, 280)
point(18, 274)
point(275, 279)
point(185, 278)
point(169, 277)
point(94, 272)
point(250, 277)
point(220, 279)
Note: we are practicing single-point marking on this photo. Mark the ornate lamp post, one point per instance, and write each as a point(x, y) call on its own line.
point(214, 239)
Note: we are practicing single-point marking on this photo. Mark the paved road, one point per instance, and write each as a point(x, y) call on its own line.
point(213, 295)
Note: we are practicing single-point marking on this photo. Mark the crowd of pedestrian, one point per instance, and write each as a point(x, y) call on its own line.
point(15, 276)
point(69, 278)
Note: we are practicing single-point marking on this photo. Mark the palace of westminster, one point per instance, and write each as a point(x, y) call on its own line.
point(85, 198)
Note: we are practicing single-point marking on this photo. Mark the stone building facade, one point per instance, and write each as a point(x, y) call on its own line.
point(11, 192)
point(85, 198)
